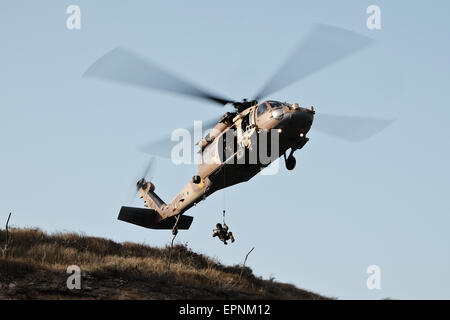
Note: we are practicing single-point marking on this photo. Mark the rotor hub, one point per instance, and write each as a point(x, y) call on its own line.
point(241, 106)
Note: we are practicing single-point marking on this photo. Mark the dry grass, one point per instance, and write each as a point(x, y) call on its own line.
point(141, 271)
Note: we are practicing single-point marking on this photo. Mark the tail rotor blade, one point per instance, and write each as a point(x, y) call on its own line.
point(149, 169)
point(147, 172)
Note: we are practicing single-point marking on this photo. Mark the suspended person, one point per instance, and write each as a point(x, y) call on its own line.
point(223, 233)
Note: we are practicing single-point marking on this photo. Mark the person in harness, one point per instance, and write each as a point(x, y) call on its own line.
point(223, 233)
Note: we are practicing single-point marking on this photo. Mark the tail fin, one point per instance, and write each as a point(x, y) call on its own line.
point(147, 218)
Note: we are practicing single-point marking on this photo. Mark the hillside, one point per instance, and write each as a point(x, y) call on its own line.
point(35, 263)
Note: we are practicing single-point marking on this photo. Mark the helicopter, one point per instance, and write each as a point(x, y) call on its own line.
point(229, 152)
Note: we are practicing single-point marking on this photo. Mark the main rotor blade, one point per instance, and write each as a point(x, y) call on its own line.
point(324, 46)
point(348, 127)
point(163, 146)
point(123, 66)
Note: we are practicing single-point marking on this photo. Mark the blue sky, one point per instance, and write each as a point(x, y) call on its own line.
point(69, 145)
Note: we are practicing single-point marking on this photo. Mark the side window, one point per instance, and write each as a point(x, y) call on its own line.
point(261, 109)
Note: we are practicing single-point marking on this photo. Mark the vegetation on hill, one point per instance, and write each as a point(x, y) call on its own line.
point(34, 265)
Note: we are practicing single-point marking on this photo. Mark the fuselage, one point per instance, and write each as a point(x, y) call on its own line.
point(233, 151)
point(289, 122)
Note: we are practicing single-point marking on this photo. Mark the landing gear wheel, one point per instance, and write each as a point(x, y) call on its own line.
point(290, 162)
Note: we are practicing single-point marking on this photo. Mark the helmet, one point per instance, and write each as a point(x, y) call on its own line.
point(218, 226)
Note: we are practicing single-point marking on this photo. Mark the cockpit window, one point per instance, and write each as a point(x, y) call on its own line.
point(262, 108)
point(275, 104)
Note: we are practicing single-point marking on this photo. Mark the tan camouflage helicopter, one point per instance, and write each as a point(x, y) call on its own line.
point(221, 151)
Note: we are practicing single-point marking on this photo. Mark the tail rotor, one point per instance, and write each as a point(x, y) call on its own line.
point(146, 173)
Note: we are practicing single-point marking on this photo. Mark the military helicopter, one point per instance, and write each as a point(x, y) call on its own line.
point(235, 135)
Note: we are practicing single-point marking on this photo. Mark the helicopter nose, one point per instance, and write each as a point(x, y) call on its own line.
point(295, 123)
